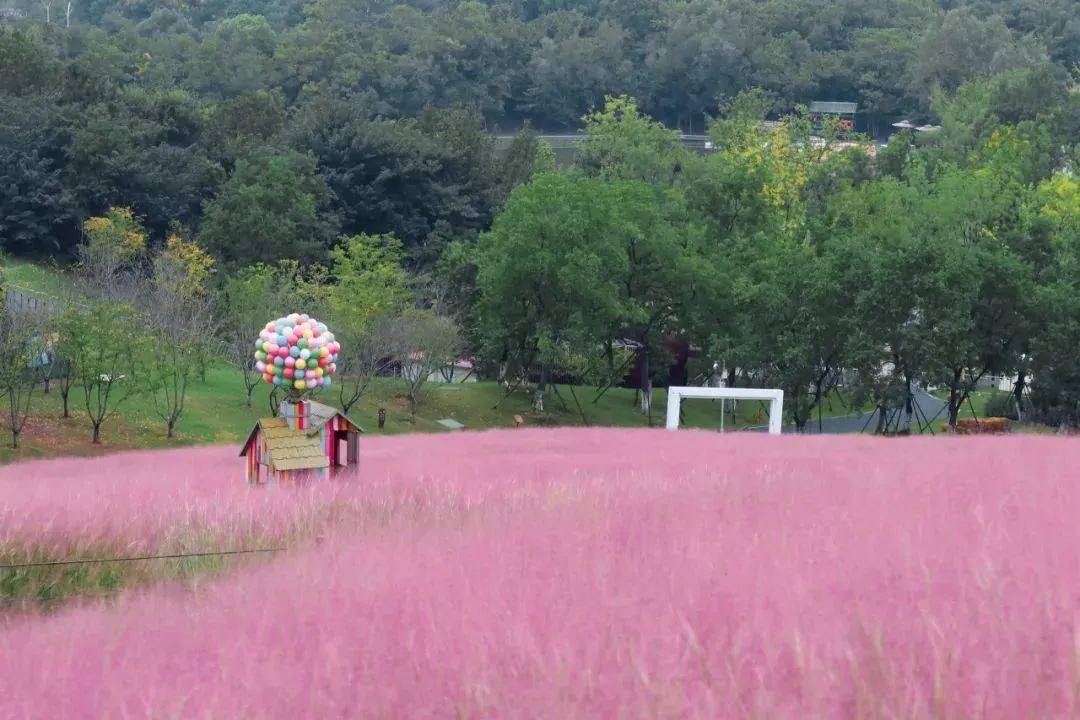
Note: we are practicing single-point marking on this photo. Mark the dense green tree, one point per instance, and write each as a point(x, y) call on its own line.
point(549, 270)
point(1055, 368)
point(908, 292)
point(974, 210)
point(587, 262)
point(425, 181)
point(622, 144)
point(235, 57)
point(38, 209)
point(573, 68)
point(525, 156)
point(29, 66)
point(369, 279)
point(272, 207)
point(961, 46)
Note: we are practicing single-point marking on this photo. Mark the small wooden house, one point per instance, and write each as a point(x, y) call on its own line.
point(307, 441)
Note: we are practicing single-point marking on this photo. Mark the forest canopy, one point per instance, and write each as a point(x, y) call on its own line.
point(344, 117)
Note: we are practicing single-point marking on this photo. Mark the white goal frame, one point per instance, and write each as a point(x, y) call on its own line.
point(675, 396)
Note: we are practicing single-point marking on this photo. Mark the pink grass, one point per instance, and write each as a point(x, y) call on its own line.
point(581, 574)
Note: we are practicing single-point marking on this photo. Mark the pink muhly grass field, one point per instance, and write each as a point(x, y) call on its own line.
point(577, 573)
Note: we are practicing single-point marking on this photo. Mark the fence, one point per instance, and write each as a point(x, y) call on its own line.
point(23, 300)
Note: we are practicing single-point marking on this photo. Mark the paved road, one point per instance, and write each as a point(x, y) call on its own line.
point(928, 406)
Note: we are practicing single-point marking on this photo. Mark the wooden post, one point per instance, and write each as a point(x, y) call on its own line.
point(353, 452)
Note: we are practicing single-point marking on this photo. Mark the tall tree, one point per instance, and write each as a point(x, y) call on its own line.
point(113, 247)
point(271, 208)
point(180, 313)
point(23, 344)
point(585, 261)
point(248, 298)
point(109, 343)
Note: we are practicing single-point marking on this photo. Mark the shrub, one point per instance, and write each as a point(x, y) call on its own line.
point(987, 426)
point(1002, 405)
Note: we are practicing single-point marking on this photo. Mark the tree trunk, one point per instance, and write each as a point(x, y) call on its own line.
point(909, 410)
point(64, 394)
point(954, 411)
point(882, 418)
point(730, 382)
point(171, 427)
point(817, 402)
point(541, 390)
point(800, 421)
point(14, 438)
point(97, 433)
point(954, 397)
point(646, 383)
point(1018, 394)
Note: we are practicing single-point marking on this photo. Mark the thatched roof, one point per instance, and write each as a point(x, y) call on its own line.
point(289, 449)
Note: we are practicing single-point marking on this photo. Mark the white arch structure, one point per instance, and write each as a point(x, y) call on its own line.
point(675, 396)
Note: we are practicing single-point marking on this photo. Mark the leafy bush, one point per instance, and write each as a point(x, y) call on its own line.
point(1001, 406)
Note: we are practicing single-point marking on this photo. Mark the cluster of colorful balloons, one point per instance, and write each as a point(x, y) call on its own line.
point(296, 352)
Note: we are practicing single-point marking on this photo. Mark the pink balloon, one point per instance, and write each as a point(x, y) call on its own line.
point(290, 361)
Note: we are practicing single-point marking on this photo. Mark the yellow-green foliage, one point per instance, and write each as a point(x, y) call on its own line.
point(184, 267)
point(118, 231)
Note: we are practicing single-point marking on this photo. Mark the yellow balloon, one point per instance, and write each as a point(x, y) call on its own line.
point(299, 384)
point(301, 363)
point(318, 372)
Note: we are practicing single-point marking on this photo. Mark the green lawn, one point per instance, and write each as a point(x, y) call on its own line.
point(37, 278)
point(216, 412)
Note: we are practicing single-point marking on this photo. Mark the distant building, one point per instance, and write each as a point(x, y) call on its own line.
point(841, 113)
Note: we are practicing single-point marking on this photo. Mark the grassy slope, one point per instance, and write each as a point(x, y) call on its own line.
point(36, 278)
point(216, 413)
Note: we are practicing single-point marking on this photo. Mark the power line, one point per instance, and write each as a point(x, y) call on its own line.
point(141, 557)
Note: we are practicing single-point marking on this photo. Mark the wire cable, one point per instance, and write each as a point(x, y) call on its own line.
point(48, 563)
